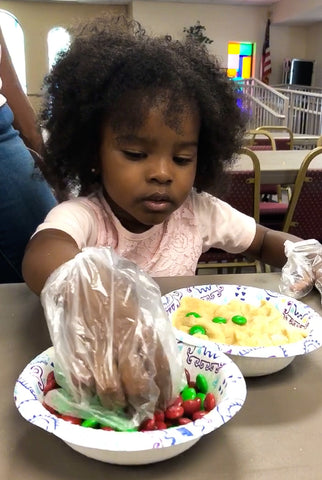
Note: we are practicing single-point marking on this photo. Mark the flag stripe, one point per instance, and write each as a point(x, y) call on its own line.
point(266, 65)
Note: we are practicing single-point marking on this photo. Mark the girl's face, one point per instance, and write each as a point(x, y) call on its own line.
point(147, 175)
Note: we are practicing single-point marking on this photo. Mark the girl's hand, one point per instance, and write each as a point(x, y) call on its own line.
point(111, 335)
point(303, 268)
point(317, 271)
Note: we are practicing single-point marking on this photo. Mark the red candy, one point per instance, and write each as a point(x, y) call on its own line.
point(70, 419)
point(199, 414)
point(159, 416)
point(51, 383)
point(50, 409)
point(160, 425)
point(191, 406)
point(180, 412)
point(174, 411)
point(209, 402)
point(178, 401)
point(184, 420)
point(148, 425)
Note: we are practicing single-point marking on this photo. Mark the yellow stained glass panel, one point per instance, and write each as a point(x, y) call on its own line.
point(233, 48)
point(247, 67)
point(231, 72)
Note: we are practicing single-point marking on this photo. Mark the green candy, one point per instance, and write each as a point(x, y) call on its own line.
point(188, 393)
point(193, 314)
point(197, 329)
point(90, 423)
point(239, 320)
point(219, 320)
point(202, 384)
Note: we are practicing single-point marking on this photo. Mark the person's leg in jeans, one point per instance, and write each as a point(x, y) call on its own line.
point(25, 198)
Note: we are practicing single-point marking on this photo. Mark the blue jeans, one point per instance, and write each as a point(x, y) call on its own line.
point(25, 198)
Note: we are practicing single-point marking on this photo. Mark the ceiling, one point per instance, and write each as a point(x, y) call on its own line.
point(124, 2)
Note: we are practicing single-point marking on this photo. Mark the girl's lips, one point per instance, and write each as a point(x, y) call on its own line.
point(157, 206)
point(157, 202)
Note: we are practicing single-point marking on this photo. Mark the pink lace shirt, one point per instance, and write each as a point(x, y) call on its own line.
point(169, 249)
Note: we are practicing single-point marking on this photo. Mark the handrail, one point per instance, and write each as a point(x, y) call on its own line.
point(302, 88)
point(263, 103)
point(298, 109)
point(305, 111)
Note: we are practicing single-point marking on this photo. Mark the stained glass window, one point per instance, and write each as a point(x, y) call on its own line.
point(240, 59)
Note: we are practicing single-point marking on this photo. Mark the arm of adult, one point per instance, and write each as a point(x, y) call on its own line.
point(24, 115)
point(45, 252)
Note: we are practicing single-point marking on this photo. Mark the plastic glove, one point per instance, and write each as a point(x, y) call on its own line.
point(112, 338)
point(317, 271)
point(303, 268)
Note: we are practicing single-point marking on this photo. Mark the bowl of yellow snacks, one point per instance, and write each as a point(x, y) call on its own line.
point(261, 330)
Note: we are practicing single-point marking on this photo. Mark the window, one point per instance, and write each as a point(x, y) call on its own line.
point(240, 59)
point(58, 39)
point(15, 42)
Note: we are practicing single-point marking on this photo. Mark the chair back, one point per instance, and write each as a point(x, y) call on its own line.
point(303, 217)
point(243, 192)
point(255, 140)
point(281, 143)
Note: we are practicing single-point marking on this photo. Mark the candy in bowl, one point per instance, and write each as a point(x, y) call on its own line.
point(252, 360)
point(134, 448)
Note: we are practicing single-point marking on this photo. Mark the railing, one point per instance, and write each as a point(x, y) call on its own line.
point(305, 108)
point(303, 88)
point(264, 104)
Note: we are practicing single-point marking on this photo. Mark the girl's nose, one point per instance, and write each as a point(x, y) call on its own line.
point(160, 170)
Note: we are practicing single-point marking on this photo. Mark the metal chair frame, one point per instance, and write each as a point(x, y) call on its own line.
point(251, 134)
point(278, 128)
point(303, 178)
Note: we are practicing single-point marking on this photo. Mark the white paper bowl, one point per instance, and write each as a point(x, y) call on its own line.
point(253, 361)
point(136, 448)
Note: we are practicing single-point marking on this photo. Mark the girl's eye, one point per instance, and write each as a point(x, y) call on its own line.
point(182, 160)
point(134, 155)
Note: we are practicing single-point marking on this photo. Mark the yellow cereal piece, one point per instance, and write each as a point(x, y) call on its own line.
point(265, 324)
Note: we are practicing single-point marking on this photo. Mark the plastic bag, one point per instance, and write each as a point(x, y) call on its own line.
point(303, 268)
point(116, 356)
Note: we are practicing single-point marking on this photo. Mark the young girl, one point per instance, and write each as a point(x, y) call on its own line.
point(142, 127)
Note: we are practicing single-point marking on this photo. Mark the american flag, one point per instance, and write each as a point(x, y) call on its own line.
point(266, 66)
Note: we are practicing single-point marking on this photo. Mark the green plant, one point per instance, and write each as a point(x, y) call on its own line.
point(197, 33)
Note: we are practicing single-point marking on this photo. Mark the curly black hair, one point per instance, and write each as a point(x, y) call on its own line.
point(113, 71)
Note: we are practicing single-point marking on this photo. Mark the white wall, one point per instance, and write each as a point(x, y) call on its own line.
point(223, 24)
point(296, 10)
point(314, 52)
point(228, 23)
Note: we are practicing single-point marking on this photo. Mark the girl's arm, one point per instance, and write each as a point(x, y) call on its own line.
point(45, 252)
point(268, 246)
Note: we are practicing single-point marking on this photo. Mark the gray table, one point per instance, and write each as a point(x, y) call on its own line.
point(276, 436)
point(278, 166)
